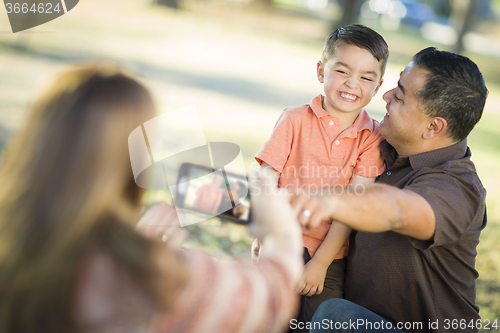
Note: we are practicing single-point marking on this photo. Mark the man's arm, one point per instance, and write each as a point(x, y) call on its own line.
point(339, 232)
point(377, 208)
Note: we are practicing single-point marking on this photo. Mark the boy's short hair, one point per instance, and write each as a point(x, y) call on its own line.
point(454, 90)
point(361, 36)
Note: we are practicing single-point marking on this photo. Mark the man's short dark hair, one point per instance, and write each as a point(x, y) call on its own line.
point(361, 36)
point(454, 90)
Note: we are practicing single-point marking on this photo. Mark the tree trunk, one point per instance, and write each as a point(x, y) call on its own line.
point(352, 8)
point(262, 3)
point(463, 14)
point(169, 3)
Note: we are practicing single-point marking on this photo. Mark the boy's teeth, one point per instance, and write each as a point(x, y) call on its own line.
point(349, 96)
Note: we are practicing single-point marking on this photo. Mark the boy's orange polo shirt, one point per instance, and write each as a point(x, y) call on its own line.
point(309, 149)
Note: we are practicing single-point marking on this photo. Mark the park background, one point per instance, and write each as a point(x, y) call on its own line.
point(242, 62)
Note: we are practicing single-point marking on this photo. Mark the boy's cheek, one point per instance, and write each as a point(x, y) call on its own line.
point(374, 88)
point(368, 87)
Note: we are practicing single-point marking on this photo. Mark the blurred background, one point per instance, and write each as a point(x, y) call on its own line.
point(241, 62)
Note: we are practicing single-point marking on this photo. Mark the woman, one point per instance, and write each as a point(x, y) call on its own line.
point(70, 258)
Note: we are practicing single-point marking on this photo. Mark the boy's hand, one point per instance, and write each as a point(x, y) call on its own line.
point(313, 279)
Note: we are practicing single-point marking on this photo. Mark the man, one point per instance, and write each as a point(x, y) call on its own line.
point(411, 262)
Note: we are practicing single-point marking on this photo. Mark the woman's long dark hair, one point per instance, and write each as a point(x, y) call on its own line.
point(67, 189)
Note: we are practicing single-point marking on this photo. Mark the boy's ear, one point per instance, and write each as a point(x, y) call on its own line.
point(378, 86)
point(320, 72)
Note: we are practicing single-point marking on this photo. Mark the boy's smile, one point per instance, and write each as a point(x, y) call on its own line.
point(348, 97)
point(351, 78)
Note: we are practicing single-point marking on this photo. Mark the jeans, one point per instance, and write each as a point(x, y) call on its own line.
point(339, 315)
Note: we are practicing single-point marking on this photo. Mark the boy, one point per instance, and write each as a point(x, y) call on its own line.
point(330, 142)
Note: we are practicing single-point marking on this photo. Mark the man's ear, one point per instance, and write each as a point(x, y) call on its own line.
point(320, 72)
point(378, 86)
point(437, 127)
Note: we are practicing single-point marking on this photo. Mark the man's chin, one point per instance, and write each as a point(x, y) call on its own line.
point(383, 128)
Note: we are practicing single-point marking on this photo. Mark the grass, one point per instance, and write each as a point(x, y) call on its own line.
point(485, 145)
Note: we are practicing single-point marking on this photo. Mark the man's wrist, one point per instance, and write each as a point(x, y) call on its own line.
point(332, 203)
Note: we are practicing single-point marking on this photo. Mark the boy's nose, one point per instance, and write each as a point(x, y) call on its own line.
point(351, 83)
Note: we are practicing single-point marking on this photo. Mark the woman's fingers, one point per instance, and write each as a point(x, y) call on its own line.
point(271, 210)
point(159, 221)
point(176, 239)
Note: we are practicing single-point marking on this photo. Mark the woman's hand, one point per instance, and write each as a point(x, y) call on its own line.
point(161, 222)
point(271, 209)
point(275, 224)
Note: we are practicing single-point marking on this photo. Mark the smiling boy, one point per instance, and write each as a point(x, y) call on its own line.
point(330, 142)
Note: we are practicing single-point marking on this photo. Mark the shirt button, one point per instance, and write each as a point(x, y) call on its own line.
point(337, 142)
point(389, 173)
point(331, 123)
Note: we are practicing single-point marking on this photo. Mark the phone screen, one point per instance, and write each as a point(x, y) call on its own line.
point(213, 193)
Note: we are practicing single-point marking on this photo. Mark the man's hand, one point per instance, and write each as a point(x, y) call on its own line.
point(313, 279)
point(378, 208)
point(311, 209)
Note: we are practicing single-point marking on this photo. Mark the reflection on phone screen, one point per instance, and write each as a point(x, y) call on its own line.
point(217, 193)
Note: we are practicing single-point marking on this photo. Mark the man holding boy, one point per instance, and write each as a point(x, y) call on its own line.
point(412, 261)
point(330, 142)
